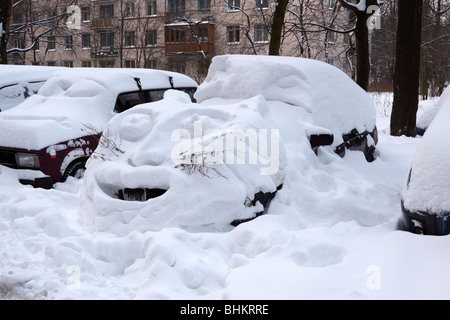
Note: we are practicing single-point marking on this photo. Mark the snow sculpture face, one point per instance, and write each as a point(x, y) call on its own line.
point(174, 163)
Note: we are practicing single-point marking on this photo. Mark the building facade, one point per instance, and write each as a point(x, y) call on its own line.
point(178, 35)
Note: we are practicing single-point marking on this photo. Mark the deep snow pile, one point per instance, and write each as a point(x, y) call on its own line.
point(209, 163)
point(330, 234)
point(325, 93)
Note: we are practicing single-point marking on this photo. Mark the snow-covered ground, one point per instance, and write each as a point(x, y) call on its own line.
point(331, 233)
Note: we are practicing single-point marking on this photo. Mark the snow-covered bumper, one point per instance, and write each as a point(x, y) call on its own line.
point(35, 178)
point(426, 223)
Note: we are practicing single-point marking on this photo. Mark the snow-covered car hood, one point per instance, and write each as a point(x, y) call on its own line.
point(429, 181)
point(42, 121)
point(76, 102)
point(332, 98)
point(203, 161)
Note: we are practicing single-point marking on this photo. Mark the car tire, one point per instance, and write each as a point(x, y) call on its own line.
point(75, 169)
point(401, 225)
point(370, 154)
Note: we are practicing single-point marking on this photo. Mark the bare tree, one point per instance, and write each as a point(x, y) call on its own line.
point(277, 27)
point(32, 23)
point(362, 11)
point(407, 66)
point(5, 18)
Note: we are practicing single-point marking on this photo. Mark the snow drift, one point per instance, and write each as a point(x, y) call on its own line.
point(330, 232)
point(207, 161)
point(326, 93)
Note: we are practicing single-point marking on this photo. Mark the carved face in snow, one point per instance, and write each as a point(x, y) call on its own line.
point(174, 163)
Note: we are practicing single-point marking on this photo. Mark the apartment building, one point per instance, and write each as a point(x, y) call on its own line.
point(179, 35)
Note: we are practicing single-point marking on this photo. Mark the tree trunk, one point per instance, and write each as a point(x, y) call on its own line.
point(407, 67)
point(362, 51)
point(277, 27)
point(5, 18)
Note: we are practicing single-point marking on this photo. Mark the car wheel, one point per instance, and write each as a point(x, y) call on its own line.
point(370, 154)
point(401, 225)
point(76, 169)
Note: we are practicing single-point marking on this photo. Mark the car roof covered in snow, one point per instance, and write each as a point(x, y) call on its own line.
point(335, 101)
point(429, 181)
point(119, 79)
point(74, 100)
point(13, 74)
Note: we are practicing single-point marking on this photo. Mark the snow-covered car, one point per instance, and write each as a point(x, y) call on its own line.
point(175, 163)
point(336, 111)
point(423, 122)
point(18, 82)
point(221, 161)
point(49, 136)
point(425, 199)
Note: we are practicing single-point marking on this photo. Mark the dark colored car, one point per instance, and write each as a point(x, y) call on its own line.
point(50, 136)
point(425, 199)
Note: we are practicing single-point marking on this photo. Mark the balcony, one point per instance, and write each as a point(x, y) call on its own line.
point(185, 38)
point(105, 23)
point(104, 52)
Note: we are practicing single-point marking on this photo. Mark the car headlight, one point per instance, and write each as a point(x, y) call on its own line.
point(28, 160)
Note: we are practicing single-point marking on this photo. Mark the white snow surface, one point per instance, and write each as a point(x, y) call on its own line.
point(331, 233)
point(18, 81)
point(428, 188)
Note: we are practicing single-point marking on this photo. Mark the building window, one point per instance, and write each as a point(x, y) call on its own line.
point(19, 43)
point(107, 64)
point(177, 66)
point(150, 38)
point(331, 4)
point(330, 61)
point(36, 45)
point(204, 6)
point(51, 64)
point(177, 6)
point(85, 14)
point(151, 8)
point(151, 64)
point(86, 64)
point(130, 64)
point(200, 32)
point(129, 39)
point(106, 11)
point(86, 40)
point(233, 5)
point(107, 40)
point(129, 10)
point(261, 4)
point(261, 33)
point(331, 35)
point(233, 34)
point(68, 64)
point(51, 43)
point(51, 16)
point(68, 43)
point(176, 34)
